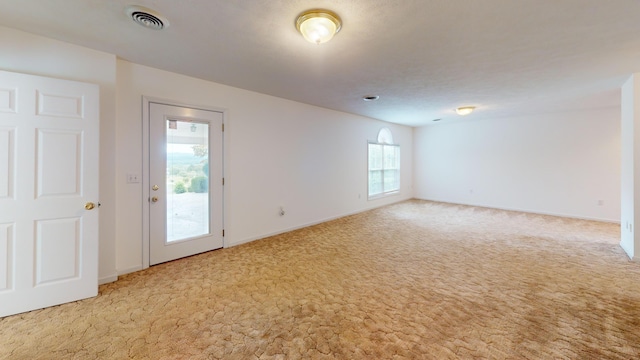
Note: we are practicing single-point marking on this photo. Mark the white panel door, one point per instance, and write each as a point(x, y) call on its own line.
point(49, 133)
point(185, 179)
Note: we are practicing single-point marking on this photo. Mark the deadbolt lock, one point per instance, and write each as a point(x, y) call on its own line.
point(155, 188)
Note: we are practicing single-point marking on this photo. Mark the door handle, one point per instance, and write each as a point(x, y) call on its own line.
point(89, 206)
point(154, 199)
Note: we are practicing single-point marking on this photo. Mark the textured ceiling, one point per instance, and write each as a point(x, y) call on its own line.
point(423, 58)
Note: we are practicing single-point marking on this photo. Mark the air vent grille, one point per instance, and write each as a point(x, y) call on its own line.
point(146, 17)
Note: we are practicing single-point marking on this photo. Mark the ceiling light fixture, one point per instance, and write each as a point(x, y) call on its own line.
point(370, 98)
point(465, 110)
point(318, 26)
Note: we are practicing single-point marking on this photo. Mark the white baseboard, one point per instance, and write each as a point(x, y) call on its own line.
point(108, 279)
point(130, 270)
point(254, 238)
point(615, 221)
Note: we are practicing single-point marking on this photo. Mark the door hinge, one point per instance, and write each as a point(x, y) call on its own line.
point(223, 181)
point(222, 127)
point(223, 233)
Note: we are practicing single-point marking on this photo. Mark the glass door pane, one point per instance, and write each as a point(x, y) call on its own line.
point(187, 180)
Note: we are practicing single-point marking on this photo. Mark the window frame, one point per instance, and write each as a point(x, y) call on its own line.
point(397, 168)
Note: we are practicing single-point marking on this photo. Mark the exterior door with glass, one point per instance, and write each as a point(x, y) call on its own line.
point(186, 181)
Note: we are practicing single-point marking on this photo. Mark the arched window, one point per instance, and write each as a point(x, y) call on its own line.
point(384, 165)
point(385, 136)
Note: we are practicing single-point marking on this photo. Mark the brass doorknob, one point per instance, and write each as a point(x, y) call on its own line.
point(89, 206)
point(154, 199)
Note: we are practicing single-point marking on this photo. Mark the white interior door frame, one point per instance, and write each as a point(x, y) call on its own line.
point(146, 103)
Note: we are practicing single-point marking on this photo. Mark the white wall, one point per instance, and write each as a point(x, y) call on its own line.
point(559, 164)
point(25, 53)
point(278, 152)
point(630, 154)
point(311, 160)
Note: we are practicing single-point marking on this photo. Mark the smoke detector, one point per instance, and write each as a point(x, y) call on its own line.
point(146, 17)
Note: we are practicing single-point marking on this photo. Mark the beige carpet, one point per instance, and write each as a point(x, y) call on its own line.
point(416, 280)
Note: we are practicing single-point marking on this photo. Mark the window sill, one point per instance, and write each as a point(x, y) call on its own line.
point(383, 195)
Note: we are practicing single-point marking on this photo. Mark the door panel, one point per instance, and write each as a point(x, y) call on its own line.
point(185, 201)
point(48, 172)
point(60, 105)
point(57, 250)
point(6, 256)
point(59, 162)
point(7, 161)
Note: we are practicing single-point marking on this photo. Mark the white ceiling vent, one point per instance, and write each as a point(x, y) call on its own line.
point(146, 17)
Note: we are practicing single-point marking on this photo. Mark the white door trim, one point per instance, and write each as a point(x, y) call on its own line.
point(146, 101)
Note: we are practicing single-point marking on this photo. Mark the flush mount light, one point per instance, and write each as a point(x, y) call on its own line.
point(318, 26)
point(146, 17)
point(370, 98)
point(465, 110)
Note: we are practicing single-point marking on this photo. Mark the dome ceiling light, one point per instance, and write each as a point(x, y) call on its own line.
point(318, 26)
point(465, 110)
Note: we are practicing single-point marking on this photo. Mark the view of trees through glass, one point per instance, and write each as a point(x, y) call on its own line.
point(188, 172)
point(187, 180)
